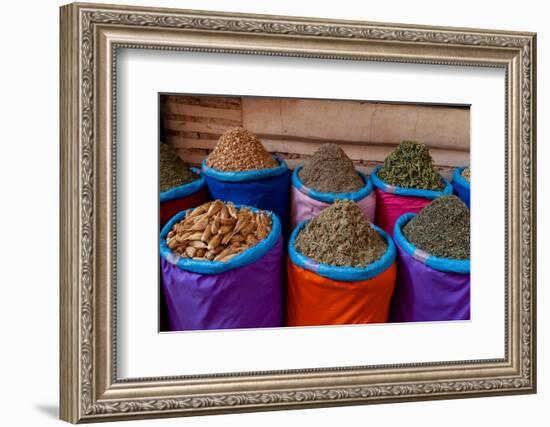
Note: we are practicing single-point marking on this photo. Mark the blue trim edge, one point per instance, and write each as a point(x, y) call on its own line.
point(459, 179)
point(185, 189)
point(331, 197)
point(215, 267)
point(410, 192)
point(347, 274)
point(446, 265)
point(244, 175)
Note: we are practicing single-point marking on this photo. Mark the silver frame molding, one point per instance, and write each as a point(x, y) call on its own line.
point(90, 37)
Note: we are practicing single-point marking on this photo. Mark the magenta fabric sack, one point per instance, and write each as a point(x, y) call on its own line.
point(305, 202)
point(428, 288)
point(245, 292)
point(393, 201)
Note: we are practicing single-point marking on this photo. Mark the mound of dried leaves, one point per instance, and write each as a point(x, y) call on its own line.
point(173, 171)
point(442, 228)
point(341, 235)
point(330, 170)
point(410, 165)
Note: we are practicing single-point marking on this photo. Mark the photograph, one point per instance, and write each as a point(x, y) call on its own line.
point(294, 212)
point(262, 212)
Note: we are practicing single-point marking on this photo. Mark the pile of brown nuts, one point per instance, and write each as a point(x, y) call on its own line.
point(216, 231)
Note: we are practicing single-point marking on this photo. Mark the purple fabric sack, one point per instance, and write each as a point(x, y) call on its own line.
point(245, 292)
point(428, 288)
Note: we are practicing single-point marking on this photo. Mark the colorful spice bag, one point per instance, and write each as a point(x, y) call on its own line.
point(266, 189)
point(461, 186)
point(322, 294)
point(244, 292)
point(428, 288)
point(307, 202)
point(182, 197)
point(393, 201)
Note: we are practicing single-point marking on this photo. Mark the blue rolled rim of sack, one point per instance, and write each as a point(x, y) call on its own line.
point(185, 189)
point(244, 175)
point(345, 274)
point(459, 179)
point(410, 192)
point(446, 265)
point(332, 197)
point(247, 257)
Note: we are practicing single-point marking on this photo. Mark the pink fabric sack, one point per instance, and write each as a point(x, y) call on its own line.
point(305, 203)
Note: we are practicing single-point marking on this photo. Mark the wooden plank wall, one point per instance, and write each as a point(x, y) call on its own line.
point(294, 128)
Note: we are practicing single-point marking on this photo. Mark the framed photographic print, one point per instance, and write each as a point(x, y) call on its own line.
point(266, 212)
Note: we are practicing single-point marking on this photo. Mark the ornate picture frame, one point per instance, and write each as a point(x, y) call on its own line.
point(90, 37)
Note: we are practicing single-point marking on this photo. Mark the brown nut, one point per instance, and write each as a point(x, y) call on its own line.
point(215, 207)
point(214, 242)
point(200, 224)
point(190, 251)
point(215, 225)
point(197, 244)
point(251, 240)
point(206, 233)
point(249, 228)
point(232, 210)
point(237, 238)
point(225, 229)
point(228, 221)
point(200, 252)
point(195, 236)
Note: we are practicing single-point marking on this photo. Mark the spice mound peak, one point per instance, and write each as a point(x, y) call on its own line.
point(442, 228)
point(330, 170)
point(240, 150)
point(410, 165)
point(341, 235)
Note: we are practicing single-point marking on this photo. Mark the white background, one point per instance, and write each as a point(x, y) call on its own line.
point(143, 352)
point(29, 171)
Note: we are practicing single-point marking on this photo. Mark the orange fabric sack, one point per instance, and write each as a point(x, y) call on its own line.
point(321, 294)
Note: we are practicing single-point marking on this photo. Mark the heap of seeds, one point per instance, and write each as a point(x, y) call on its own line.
point(341, 235)
point(466, 173)
point(442, 228)
point(216, 231)
point(240, 150)
point(330, 170)
point(410, 165)
point(173, 171)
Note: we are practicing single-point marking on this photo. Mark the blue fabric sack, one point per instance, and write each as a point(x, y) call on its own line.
point(461, 186)
point(266, 189)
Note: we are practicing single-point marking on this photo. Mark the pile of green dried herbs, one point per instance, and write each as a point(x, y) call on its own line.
point(341, 235)
point(173, 171)
point(330, 170)
point(410, 165)
point(441, 229)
